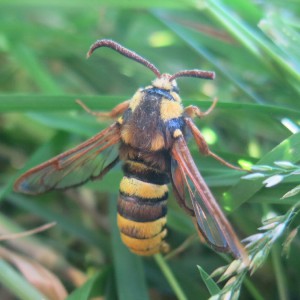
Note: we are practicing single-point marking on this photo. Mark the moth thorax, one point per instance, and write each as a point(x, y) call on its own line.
point(164, 82)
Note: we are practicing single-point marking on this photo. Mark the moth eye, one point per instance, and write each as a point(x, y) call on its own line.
point(175, 89)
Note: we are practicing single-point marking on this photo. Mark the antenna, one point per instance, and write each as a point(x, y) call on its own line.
point(124, 51)
point(194, 73)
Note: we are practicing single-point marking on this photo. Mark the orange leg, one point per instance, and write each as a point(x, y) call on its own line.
point(114, 113)
point(203, 147)
point(194, 111)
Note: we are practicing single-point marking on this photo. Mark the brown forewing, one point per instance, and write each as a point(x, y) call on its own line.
point(88, 160)
point(211, 222)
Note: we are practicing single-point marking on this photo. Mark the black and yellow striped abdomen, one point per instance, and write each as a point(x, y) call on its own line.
point(142, 208)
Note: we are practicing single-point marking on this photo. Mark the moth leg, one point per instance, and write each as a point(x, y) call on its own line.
point(193, 111)
point(114, 113)
point(203, 147)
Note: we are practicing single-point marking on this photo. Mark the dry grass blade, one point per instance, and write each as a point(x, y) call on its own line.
point(45, 281)
point(39, 252)
point(13, 236)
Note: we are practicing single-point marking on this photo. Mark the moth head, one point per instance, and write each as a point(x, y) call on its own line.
point(164, 82)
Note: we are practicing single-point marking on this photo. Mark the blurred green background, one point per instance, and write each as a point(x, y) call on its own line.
point(253, 46)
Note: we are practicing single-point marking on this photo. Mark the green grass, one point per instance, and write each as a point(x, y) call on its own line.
point(254, 50)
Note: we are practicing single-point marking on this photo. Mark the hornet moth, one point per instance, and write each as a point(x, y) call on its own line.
point(149, 135)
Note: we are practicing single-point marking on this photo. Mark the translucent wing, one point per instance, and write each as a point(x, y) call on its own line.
point(89, 160)
point(210, 220)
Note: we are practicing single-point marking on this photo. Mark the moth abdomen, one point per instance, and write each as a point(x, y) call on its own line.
point(142, 208)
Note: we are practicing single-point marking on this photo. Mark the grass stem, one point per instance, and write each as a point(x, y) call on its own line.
point(170, 277)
